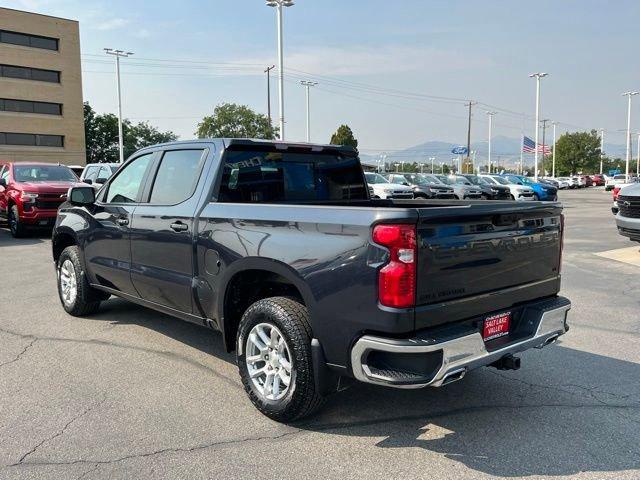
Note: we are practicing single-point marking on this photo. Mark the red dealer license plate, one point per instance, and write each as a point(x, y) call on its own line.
point(496, 326)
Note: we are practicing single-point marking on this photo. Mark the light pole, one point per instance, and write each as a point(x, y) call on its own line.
point(491, 114)
point(553, 162)
point(601, 148)
point(538, 77)
point(279, 4)
point(118, 54)
point(638, 154)
point(629, 95)
point(433, 159)
point(384, 162)
point(268, 72)
point(306, 84)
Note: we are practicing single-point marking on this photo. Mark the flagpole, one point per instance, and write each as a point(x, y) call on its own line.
point(521, 151)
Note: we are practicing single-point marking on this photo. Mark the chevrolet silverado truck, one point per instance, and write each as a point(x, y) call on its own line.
point(312, 283)
point(627, 210)
point(30, 194)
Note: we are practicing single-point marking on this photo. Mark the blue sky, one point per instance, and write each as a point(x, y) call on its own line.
point(378, 63)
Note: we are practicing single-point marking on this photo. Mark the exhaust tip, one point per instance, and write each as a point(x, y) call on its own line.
point(454, 376)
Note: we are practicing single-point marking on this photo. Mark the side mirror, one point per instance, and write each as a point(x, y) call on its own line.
point(101, 181)
point(3, 182)
point(81, 196)
point(406, 184)
point(88, 181)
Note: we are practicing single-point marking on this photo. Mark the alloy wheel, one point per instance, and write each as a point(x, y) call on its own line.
point(268, 361)
point(68, 282)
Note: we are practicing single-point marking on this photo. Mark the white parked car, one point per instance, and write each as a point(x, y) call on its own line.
point(563, 182)
point(383, 188)
point(98, 173)
point(518, 192)
point(620, 179)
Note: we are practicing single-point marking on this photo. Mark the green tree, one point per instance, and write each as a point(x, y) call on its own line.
point(577, 152)
point(344, 136)
point(101, 136)
point(236, 121)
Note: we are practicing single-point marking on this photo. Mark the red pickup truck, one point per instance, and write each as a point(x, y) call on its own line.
point(30, 194)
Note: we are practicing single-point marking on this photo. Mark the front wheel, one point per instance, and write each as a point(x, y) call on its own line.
point(78, 298)
point(18, 230)
point(273, 348)
point(536, 197)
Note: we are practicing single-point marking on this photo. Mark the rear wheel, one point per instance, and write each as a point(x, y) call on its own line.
point(274, 359)
point(77, 296)
point(18, 229)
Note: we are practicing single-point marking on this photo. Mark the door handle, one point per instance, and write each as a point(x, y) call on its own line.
point(122, 221)
point(179, 227)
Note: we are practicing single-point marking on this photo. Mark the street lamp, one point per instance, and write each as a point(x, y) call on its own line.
point(553, 164)
point(537, 76)
point(629, 95)
point(490, 114)
point(306, 84)
point(118, 54)
point(278, 4)
point(433, 159)
point(601, 148)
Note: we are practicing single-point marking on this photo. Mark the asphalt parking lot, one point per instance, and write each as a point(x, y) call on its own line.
point(130, 393)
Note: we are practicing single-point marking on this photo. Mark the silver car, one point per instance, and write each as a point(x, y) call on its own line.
point(462, 188)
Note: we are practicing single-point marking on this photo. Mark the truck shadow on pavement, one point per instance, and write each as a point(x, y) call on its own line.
point(564, 412)
point(32, 238)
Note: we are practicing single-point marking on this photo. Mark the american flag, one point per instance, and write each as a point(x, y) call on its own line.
point(529, 146)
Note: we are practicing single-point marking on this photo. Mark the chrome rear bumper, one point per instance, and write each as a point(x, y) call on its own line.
point(459, 355)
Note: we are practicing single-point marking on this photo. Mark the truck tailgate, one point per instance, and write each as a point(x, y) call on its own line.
point(481, 258)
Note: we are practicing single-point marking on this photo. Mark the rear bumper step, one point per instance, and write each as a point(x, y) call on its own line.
point(448, 360)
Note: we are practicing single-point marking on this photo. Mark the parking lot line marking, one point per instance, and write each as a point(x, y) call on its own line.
point(629, 255)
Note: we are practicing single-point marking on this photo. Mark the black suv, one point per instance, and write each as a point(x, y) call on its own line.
point(490, 191)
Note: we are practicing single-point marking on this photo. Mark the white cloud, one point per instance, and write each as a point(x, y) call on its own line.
point(111, 24)
point(371, 60)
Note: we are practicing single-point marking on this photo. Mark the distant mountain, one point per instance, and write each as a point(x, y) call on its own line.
point(505, 150)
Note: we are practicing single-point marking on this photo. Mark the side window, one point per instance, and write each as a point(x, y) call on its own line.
point(91, 173)
point(126, 187)
point(177, 176)
point(103, 174)
point(4, 173)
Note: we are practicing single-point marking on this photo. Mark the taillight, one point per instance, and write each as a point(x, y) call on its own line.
point(397, 279)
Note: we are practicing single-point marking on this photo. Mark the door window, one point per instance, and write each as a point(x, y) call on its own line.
point(177, 176)
point(127, 186)
point(104, 174)
point(91, 174)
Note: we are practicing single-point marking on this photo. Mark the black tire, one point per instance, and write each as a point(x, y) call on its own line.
point(17, 228)
point(512, 197)
point(292, 319)
point(536, 197)
point(87, 299)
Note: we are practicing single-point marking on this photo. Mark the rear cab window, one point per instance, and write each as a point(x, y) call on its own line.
point(177, 176)
point(268, 175)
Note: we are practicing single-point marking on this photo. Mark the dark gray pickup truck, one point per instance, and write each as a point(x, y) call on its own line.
point(313, 284)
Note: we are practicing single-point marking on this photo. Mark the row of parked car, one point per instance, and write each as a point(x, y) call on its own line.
point(461, 187)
